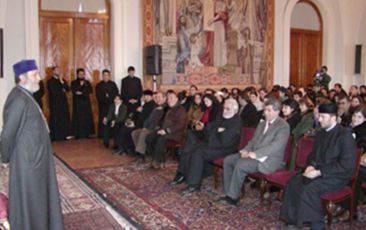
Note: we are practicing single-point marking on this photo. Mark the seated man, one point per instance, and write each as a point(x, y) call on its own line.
point(124, 141)
point(172, 129)
point(139, 135)
point(220, 137)
point(330, 167)
point(117, 114)
point(264, 153)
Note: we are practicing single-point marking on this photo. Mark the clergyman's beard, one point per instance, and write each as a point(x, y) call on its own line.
point(31, 87)
point(228, 115)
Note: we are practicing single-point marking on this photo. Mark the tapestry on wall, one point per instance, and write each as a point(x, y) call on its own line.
point(212, 42)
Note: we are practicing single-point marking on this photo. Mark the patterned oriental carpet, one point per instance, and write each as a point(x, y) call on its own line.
point(81, 206)
point(150, 202)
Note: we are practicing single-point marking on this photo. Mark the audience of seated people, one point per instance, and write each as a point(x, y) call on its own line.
point(197, 120)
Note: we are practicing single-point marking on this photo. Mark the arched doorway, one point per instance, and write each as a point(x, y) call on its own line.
point(75, 34)
point(306, 35)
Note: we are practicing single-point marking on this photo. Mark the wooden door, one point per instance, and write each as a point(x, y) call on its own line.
point(305, 56)
point(57, 48)
point(72, 41)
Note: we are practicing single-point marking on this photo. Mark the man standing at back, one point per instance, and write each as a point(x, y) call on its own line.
point(131, 90)
point(25, 143)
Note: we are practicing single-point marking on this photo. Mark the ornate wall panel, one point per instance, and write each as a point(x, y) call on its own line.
point(212, 43)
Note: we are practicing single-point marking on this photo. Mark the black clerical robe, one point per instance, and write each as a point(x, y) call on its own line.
point(105, 91)
point(131, 88)
point(334, 154)
point(39, 94)
point(33, 191)
point(220, 138)
point(82, 117)
point(59, 121)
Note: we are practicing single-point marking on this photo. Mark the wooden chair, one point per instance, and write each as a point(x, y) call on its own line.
point(4, 223)
point(280, 178)
point(246, 135)
point(343, 194)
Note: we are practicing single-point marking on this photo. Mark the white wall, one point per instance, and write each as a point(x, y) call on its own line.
point(342, 29)
point(304, 17)
point(13, 24)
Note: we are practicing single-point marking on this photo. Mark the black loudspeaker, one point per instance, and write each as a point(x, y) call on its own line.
point(153, 60)
point(358, 55)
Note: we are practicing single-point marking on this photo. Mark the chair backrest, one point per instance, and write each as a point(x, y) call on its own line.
point(357, 169)
point(304, 147)
point(246, 135)
point(288, 151)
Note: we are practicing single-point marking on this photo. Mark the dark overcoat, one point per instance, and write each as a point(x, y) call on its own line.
point(25, 143)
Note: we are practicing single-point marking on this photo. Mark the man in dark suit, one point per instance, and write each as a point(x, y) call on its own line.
point(221, 137)
point(114, 120)
point(139, 135)
point(124, 141)
point(34, 201)
point(172, 128)
point(131, 90)
point(264, 153)
point(330, 167)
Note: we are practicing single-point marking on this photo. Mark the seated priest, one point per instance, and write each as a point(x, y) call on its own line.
point(171, 129)
point(220, 138)
point(124, 141)
point(330, 167)
point(264, 153)
point(114, 120)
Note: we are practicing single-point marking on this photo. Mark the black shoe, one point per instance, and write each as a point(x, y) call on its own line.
point(106, 144)
point(178, 179)
point(229, 201)
point(189, 190)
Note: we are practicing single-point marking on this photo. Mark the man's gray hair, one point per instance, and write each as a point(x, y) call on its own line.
point(232, 102)
point(276, 104)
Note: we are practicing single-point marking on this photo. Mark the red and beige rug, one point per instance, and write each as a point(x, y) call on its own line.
point(81, 206)
point(147, 198)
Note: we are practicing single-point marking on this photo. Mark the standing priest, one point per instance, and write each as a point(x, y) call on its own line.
point(330, 167)
point(33, 192)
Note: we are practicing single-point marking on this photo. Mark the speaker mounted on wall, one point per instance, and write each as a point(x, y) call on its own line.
point(153, 60)
point(358, 55)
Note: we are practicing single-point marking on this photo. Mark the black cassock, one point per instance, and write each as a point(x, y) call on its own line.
point(59, 109)
point(131, 88)
point(334, 154)
point(105, 91)
point(25, 143)
point(39, 94)
point(82, 117)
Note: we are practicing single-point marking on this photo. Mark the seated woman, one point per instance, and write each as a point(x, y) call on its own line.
point(195, 111)
point(355, 102)
point(359, 131)
point(211, 110)
point(290, 112)
point(307, 118)
point(248, 111)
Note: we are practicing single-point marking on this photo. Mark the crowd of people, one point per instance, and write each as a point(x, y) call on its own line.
point(206, 125)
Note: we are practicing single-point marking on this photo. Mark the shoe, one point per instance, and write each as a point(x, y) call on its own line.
point(106, 144)
point(189, 190)
point(177, 180)
point(229, 201)
point(118, 152)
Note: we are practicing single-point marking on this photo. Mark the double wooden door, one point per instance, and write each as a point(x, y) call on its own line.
point(72, 41)
point(305, 56)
